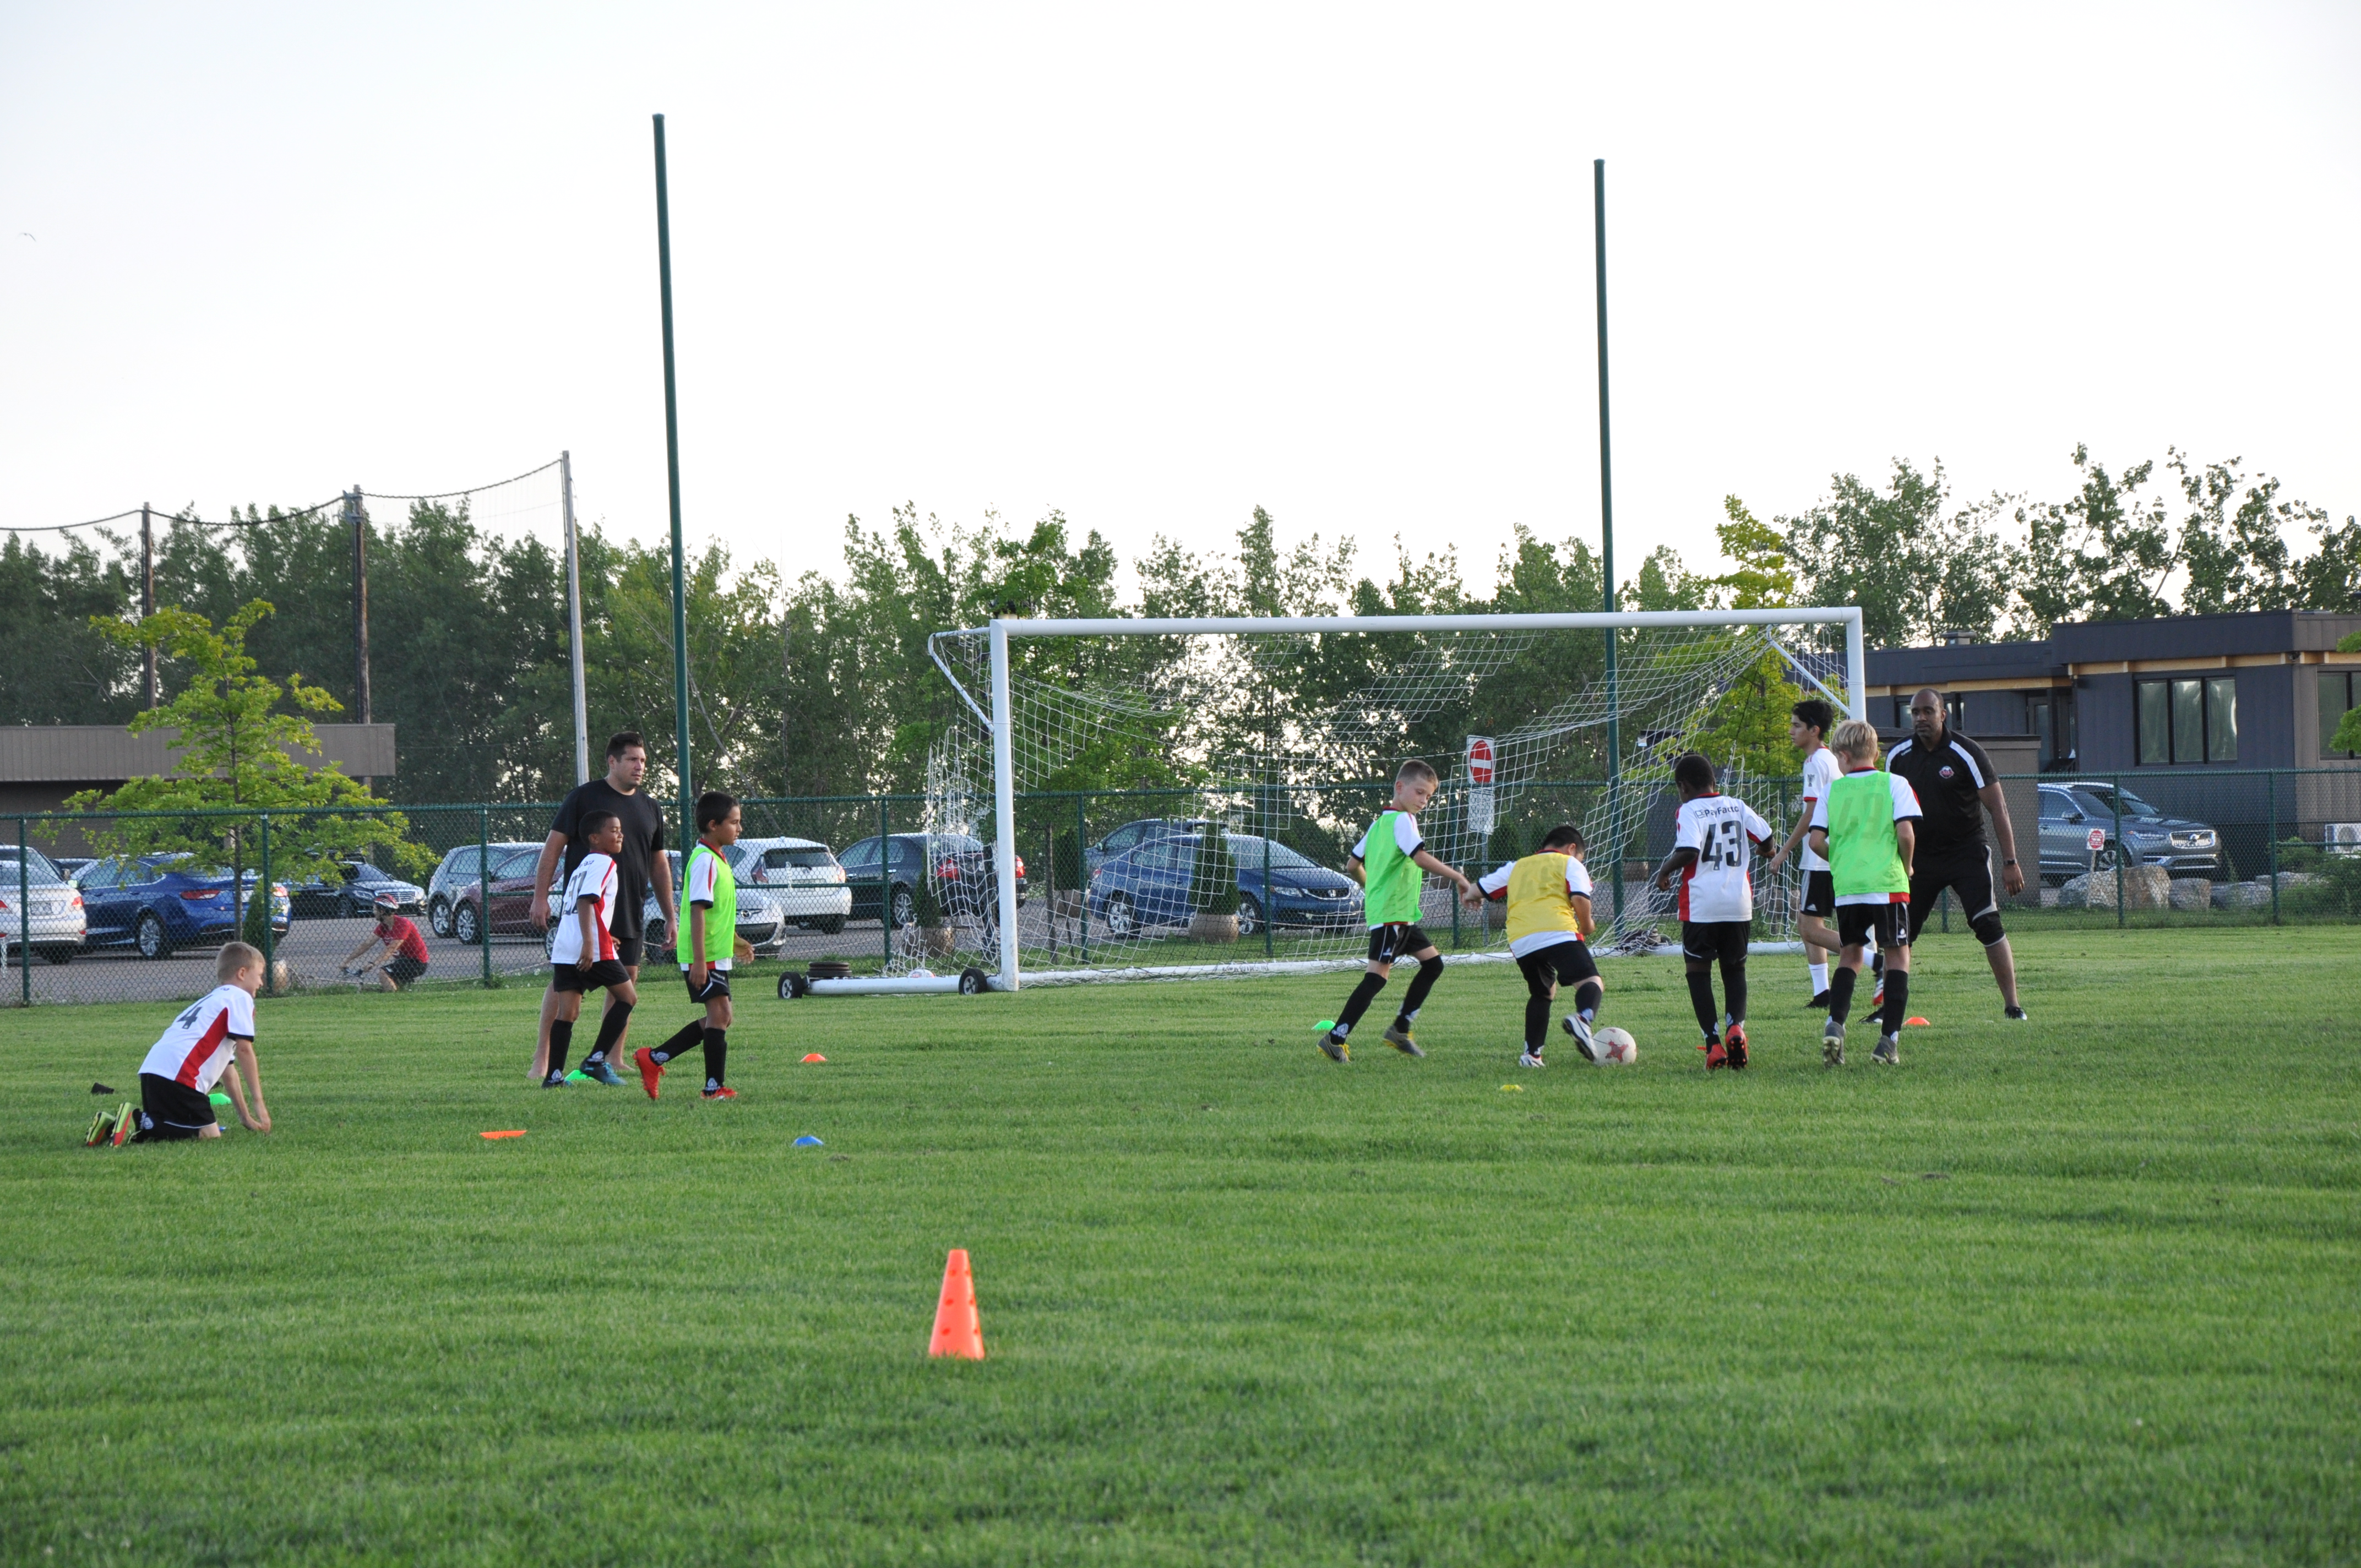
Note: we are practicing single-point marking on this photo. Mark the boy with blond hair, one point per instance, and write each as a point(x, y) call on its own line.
point(1392, 861)
point(197, 1050)
point(1866, 827)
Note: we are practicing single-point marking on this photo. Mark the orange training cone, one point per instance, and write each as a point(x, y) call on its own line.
point(815, 1056)
point(958, 1329)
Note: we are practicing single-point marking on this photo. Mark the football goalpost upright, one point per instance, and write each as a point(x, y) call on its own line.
point(1168, 797)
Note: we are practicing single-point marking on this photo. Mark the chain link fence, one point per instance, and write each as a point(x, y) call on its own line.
point(98, 908)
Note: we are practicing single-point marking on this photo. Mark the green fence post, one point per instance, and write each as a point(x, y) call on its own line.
point(24, 918)
point(1269, 895)
point(484, 887)
point(885, 881)
point(1082, 852)
point(2117, 795)
point(262, 890)
point(2272, 793)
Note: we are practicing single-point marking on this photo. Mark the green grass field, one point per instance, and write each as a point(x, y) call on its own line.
point(2083, 1292)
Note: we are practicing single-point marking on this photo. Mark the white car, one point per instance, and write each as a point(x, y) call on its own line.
point(800, 878)
point(53, 921)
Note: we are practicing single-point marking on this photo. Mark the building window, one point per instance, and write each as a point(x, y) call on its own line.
point(2049, 719)
point(2340, 692)
point(2187, 721)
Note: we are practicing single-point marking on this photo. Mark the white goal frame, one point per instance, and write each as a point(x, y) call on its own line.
point(998, 721)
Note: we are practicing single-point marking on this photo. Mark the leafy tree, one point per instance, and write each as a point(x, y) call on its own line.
point(1214, 884)
point(1915, 569)
point(56, 667)
point(1749, 725)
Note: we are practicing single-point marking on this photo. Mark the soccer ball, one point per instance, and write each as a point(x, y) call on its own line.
point(1616, 1047)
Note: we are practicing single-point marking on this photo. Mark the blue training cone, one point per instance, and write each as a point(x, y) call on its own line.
point(808, 1142)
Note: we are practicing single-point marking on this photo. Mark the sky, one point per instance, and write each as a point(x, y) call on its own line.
point(1153, 267)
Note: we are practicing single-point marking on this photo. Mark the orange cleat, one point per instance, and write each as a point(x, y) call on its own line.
point(1715, 1056)
point(651, 1070)
point(1734, 1046)
point(724, 1092)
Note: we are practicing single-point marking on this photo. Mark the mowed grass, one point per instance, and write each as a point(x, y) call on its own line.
point(2081, 1291)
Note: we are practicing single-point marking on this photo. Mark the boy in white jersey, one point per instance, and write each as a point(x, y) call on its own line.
point(1713, 846)
point(1548, 893)
point(196, 1052)
point(709, 941)
point(585, 957)
point(1808, 730)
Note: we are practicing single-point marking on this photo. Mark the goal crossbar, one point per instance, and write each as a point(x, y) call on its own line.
point(1000, 720)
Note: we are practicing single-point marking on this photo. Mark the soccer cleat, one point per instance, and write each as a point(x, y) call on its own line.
point(1734, 1046)
point(1832, 1044)
point(555, 1081)
point(127, 1122)
point(1577, 1025)
point(2013, 1014)
point(1333, 1045)
point(1716, 1056)
point(101, 1129)
point(1877, 997)
point(1819, 1003)
point(651, 1069)
point(1888, 1051)
point(724, 1092)
point(1531, 1058)
point(1399, 1038)
point(602, 1073)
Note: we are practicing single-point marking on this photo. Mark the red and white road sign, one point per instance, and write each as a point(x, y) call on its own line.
point(2097, 839)
point(1480, 759)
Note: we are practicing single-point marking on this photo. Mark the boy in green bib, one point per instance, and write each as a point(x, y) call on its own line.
point(708, 944)
point(1392, 861)
point(1865, 827)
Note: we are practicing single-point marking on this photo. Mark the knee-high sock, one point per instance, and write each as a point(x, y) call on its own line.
point(1897, 998)
point(688, 1035)
point(1429, 972)
point(1358, 1003)
point(1840, 986)
point(1733, 987)
point(1588, 995)
point(561, 1040)
point(717, 1058)
point(1537, 1012)
point(610, 1029)
point(1708, 1018)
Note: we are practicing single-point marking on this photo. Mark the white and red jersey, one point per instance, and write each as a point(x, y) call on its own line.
point(595, 878)
point(196, 1049)
point(1718, 885)
point(1821, 769)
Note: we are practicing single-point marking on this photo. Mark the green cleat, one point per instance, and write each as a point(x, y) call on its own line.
point(101, 1129)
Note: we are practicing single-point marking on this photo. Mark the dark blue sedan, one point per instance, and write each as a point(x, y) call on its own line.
point(157, 902)
point(1148, 885)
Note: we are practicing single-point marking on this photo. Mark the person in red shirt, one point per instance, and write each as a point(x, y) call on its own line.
point(404, 955)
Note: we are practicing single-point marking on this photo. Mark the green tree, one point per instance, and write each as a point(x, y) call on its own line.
point(1214, 884)
point(1749, 723)
point(237, 763)
point(2106, 555)
point(56, 667)
point(1915, 569)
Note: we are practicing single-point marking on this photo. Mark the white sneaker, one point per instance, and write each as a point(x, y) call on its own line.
point(1572, 1025)
point(1531, 1058)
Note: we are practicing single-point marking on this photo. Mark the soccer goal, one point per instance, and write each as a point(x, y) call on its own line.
point(1169, 797)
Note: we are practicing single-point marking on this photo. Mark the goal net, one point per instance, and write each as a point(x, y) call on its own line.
point(1167, 797)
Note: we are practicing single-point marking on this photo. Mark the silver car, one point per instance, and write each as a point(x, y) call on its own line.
point(759, 925)
point(53, 921)
point(800, 877)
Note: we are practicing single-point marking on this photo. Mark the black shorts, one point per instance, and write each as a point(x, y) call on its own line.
point(404, 968)
point(717, 983)
point(1857, 923)
point(1967, 871)
point(1391, 944)
point(571, 977)
point(1820, 893)
point(1559, 963)
point(1723, 939)
point(170, 1110)
point(630, 951)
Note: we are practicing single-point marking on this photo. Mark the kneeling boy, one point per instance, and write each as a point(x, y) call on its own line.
point(710, 942)
point(1548, 894)
point(1867, 830)
point(196, 1051)
point(584, 957)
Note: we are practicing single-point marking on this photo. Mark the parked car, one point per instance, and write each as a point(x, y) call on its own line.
point(760, 925)
point(1141, 830)
point(510, 899)
point(799, 877)
point(2069, 812)
point(350, 889)
point(879, 880)
point(52, 922)
point(157, 904)
point(459, 868)
point(70, 866)
point(1150, 886)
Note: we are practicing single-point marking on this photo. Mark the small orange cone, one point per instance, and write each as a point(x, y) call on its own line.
point(815, 1056)
point(958, 1329)
point(1917, 1023)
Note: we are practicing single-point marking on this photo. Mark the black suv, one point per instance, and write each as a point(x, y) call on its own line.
point(962, 876)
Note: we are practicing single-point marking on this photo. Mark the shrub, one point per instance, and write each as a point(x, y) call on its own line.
point(1214, 887)
point(926, 903)
point(1069, 868)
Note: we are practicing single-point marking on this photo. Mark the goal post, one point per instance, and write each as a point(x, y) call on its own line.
point(1666, 693)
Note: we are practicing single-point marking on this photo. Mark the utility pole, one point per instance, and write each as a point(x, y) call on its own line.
point(359, 521)
point(573, 622)
point(1607, 513)
point(147, 595)
point(672, 460)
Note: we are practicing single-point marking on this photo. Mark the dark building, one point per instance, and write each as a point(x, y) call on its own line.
point(2201, 691)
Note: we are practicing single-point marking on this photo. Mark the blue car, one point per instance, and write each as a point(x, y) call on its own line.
point(1148, 885)
point(157, 902)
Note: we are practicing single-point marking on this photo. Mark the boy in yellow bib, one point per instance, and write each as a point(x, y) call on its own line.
point(1548, 893)
point(1392, 861)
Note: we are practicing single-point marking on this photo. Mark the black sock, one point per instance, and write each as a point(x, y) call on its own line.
point(1429, 972)
point(1897, 998)
point(1840, 986)
point(561, 1040)
point(717, 1058)
point(1358, 1003)
point(610, 1029)
point(1701, 999)
point(1733, 988)
point(682, 1037)
point(1588, 996)
point(1537, 1012)
point(1876, 963)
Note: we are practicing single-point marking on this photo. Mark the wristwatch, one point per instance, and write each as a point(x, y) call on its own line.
point(2009, 862)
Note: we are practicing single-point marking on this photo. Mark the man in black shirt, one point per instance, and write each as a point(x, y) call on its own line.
point(1956, 787)
point(641, 864)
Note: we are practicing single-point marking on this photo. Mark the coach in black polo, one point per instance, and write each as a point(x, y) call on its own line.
point(1956, 787)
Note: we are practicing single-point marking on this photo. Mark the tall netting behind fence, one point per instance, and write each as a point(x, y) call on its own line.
point(1192, 800)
